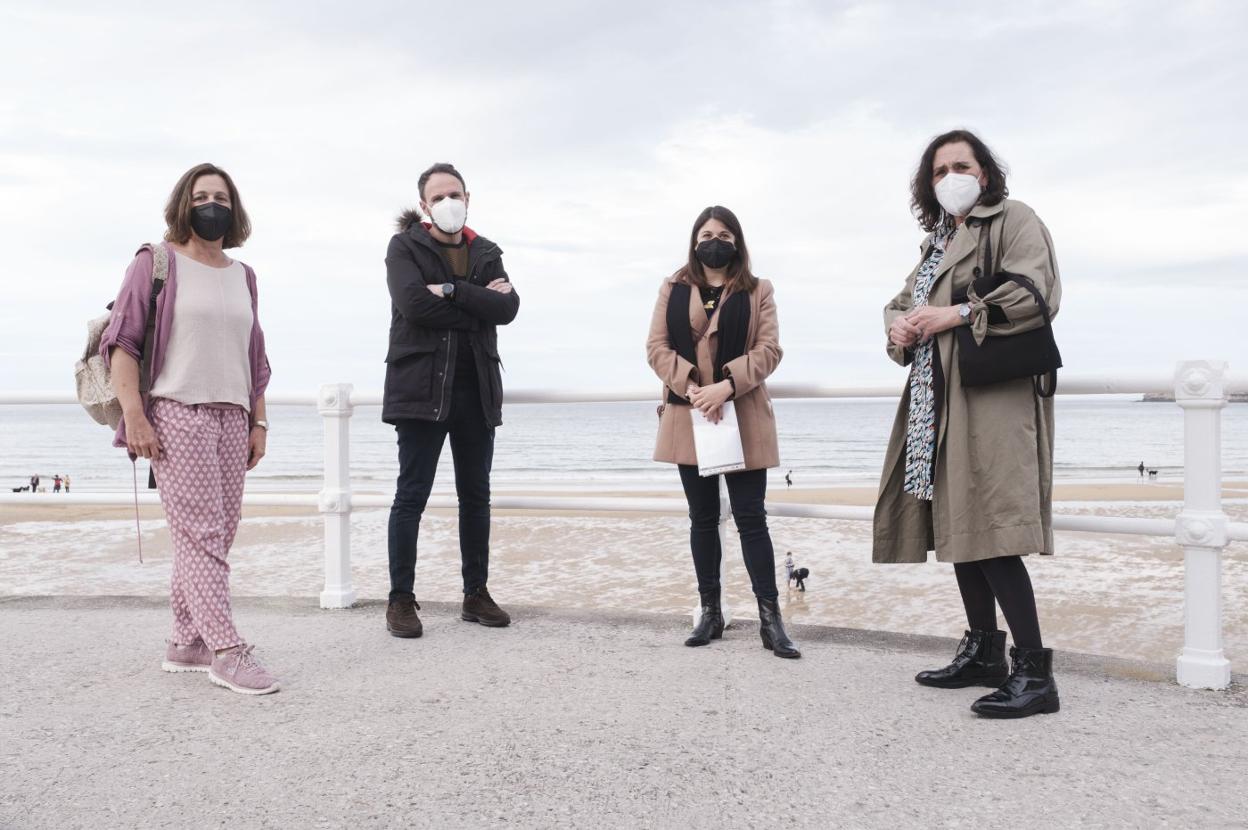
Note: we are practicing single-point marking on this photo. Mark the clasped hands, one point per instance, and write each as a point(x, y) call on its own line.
point(500, 285)
point(922, 324)
point(710, 399)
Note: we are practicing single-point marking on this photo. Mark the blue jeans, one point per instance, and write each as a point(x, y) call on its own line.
point(472, 449)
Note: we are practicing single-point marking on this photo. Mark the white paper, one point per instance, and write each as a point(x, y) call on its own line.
point(717, 446)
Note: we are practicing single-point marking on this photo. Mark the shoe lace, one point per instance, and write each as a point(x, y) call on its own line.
point(243, 658)
point(966, 640)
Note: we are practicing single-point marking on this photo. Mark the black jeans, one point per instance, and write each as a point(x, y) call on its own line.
point(747, 490)
point(472, 449)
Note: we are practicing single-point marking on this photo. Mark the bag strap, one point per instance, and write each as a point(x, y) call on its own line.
point(160, 273)
point(1027, 283)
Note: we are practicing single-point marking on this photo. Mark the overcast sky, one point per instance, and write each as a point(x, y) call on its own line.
point(591, 135)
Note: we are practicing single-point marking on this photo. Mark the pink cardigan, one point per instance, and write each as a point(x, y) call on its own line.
point(129, 323)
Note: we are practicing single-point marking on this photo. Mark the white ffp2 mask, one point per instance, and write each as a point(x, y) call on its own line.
point(449, 215)
point(958, 193)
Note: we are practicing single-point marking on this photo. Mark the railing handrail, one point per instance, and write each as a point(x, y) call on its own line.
point(1077, 523)
point(1137, 384)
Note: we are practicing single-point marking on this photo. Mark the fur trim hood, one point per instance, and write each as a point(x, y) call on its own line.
point(407, 219)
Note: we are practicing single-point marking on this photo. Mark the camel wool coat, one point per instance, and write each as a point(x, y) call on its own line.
point(993, 476)
point(749, 373)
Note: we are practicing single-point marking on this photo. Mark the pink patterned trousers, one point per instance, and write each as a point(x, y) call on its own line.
point(200, 476)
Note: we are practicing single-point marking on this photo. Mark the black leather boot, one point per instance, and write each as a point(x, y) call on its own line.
point(1029, 690)
point(771, 629)
point(980, 661)
point(711, 624)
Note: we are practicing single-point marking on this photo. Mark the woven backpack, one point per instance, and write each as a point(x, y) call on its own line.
point(92, 377)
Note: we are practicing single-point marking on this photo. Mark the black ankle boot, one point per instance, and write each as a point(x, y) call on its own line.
point(771, 629)
point(1029, 690)
point(711, 624)
point(980, 661)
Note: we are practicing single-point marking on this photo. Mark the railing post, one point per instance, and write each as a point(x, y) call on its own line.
point(334, 404)
point(1201, 528)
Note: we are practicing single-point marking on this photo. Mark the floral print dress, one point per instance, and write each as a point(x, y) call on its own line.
point(921, 427)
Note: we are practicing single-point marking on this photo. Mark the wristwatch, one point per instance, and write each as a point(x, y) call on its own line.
point(448, 289)
point(260, 422)
point(964, 312)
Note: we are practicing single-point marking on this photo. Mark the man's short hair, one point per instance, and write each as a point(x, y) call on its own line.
point(440, 167)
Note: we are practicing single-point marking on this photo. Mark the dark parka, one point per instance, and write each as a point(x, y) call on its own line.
point(420, 364)
point(993, 473)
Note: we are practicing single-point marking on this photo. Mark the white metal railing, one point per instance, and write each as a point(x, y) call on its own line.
point(1202, 529)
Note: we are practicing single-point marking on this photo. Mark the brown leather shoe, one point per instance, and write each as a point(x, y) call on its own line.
point(401, 619)
point(480, 607)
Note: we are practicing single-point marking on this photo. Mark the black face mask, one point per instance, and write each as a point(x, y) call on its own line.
point(210, 221)
point(715, 253)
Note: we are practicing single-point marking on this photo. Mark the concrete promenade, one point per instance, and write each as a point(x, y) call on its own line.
point(572, 720)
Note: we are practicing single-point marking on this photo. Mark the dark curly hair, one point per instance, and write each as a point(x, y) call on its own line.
point(923, 202)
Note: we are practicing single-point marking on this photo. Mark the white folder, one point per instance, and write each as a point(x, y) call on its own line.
point(717, 446)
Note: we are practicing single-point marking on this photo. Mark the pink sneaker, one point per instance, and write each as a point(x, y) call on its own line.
point(239, 672)
point(195, 657)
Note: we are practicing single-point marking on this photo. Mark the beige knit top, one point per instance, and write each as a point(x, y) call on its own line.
point(207, 359)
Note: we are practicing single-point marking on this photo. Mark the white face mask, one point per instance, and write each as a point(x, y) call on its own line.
point(449, 215)
point(958, 193)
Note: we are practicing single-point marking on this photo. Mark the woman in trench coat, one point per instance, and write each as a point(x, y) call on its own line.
point(968, 471)
point(714, 338)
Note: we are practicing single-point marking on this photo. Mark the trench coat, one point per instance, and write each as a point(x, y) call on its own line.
point(993, 476)
point(755, 417)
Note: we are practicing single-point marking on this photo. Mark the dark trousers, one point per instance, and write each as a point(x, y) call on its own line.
point(472, 449)
point(747, 491)
point(1004, 581)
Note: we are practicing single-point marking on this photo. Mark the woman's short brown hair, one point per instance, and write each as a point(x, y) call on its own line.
point(923, 200)
point(178, 209)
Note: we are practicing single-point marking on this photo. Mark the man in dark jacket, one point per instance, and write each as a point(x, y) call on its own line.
point(448, 292)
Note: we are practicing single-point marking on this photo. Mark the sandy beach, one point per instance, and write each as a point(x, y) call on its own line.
point(1100, 594)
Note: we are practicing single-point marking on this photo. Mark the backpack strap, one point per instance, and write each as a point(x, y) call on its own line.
point(160, 273)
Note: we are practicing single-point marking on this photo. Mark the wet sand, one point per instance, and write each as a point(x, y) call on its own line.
point(1101, 594)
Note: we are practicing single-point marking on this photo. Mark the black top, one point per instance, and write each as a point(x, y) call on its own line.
point(711, 295)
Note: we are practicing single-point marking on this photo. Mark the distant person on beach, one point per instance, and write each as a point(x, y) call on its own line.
point(202, 423)
point(34, 483)
point(788, 565)
point(56, 484)
point(969, 470)
point(67, 482)
point(788, 478)
point(799, 576)
point(448, 294)
point(714, 337)
point(1141, 468)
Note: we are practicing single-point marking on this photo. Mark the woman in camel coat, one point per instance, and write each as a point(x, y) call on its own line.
point(714, 337)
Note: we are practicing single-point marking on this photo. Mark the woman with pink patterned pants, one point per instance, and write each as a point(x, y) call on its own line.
point(189, 368)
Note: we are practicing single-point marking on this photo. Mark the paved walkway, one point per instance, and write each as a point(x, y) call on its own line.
point(568, 720)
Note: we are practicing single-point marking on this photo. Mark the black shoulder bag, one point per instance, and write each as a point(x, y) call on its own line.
point(1031, 354)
